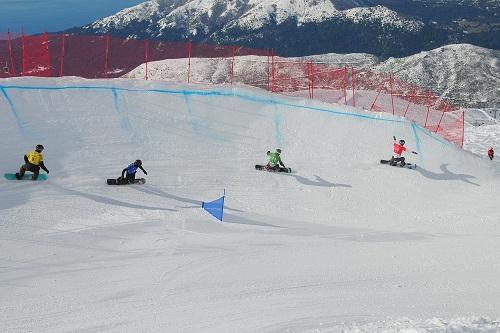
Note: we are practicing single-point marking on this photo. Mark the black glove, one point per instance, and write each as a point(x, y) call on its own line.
point(394, 138)
point(47, 170)
point(145, 172)
point(414, 152)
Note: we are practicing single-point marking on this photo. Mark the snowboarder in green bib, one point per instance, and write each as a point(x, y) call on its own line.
point(274, 160)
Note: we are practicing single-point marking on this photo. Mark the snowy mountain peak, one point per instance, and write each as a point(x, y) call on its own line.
point(385, 28)
point(210, 16)
point(383, 15)
point(467, 74)
point(142, 12)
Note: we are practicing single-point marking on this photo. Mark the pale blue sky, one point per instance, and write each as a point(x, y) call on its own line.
point(55, 15)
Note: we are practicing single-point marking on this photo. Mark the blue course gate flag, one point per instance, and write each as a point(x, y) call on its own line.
point(215, 208)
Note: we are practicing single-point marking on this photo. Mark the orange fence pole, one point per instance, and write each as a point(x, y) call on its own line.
point(273, 72)
point(463, 128)
point(24, 54)
point(353, 77)
point(407, 107)
point(437, 128)
point(308, 76)
point(428, 110)
point(63, 37)
point(268, 70)
point(232, 64)
point(344, 84)
point(378, 94)
point(48, 54)
point(146, 56)
point(106, 57)
point(391, 85)
point(10, 55)
point(312, 80)
point(189, 60)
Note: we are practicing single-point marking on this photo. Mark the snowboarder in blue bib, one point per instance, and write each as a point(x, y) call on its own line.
point(274, 160)
point(128, 174)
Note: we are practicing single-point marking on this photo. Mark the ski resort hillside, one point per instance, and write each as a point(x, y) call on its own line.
point(341, 244)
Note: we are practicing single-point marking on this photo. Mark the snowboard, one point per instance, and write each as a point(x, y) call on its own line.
point(407, 165)
point(27, 176)
point(263, 167)
point(119, 181)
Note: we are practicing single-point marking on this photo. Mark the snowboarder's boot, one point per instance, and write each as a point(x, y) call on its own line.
point(18, 176)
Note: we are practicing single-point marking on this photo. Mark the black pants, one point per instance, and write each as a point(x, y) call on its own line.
point(274, 168)
point(29, 167)
point(395, 160)
point(130, 177)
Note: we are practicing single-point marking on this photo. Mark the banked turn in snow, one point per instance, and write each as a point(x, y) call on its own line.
point(344, 243)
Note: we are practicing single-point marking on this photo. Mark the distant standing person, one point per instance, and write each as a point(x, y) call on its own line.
point(33, 162)
point(491, 153)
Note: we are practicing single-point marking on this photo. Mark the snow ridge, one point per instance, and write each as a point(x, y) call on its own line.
point(249, 15)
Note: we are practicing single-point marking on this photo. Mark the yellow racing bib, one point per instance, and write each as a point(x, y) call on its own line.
point(34, 157)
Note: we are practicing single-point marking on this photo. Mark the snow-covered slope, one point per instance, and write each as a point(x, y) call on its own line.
point(468, 74)
point(342, 244)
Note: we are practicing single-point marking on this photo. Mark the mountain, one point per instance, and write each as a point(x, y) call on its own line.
point(302, 27)
point(467, 75)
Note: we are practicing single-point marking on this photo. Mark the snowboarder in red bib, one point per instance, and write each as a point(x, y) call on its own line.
point(398, 151)
point(491, 153)
point(33, 162)
point(128, 174)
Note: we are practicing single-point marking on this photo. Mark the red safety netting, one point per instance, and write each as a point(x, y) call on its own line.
point(328, 84)
point(36, 56)
point(11, 54)
point(83, 56)
point(124, 55)
point(452, 127)
point(6, 69)
point(290, 78)
point(385, 93)
point(311, 80)
point(111, 57)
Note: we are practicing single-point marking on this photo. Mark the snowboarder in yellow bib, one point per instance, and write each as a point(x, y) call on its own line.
point(33, 162)
point(274, 160)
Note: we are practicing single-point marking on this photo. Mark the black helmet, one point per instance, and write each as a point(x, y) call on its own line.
point(401, 142)
point(39, 147)
point(138, 163)
point(278, 151)
point(268, 152)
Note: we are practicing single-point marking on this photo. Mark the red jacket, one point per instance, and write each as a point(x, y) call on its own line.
point(490, 152)
point(399, 149)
